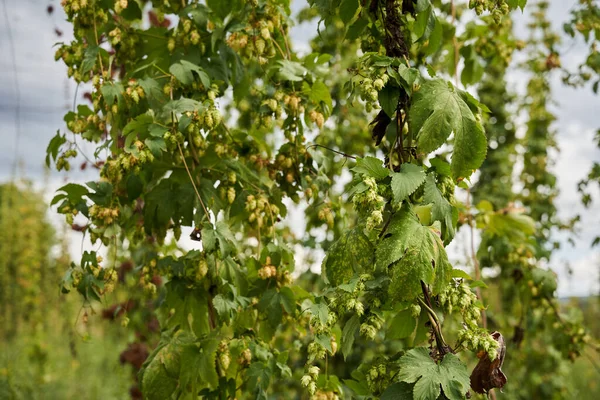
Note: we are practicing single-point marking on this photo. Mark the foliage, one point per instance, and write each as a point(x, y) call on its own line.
point(206, 125)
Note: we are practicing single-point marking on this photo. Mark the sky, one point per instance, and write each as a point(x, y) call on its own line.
point(35, 94)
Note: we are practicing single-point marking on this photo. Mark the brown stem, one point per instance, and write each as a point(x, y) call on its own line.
point(332, 150)
point(474, 258)
point(441, 344)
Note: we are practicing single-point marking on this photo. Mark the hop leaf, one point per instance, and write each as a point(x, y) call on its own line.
point(353, 252)
point(450, 375)
point(438, 109)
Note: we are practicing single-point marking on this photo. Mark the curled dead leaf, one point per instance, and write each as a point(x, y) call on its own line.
point(487, 374)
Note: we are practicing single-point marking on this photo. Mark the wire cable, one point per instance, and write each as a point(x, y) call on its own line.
point(17, 89)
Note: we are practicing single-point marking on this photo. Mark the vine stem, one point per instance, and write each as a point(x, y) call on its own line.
point(442, 346)
point(186, 166)
point(492, 394)
point(474, 257)
point(192, 180)
point(332, 150)
point(454, 42)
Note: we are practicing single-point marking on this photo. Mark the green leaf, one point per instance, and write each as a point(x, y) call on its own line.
point(441, 210)
point(325, 342)
point(270, 305)
point(450, 375)
point(437, 110)
point(321, 311)
point(184, 72)
point(208, 358)
point(89, 59)
point(351, 328)
point(111, 91)
point(52, 150)
point(424, 24)
point(514, 226)
point(180, 106)
point(320, 93)
point(371, 166)
point(459, 273)
point(352, 253)
point(348, 10)
point(222, 8)
point(435, 39)
point(398, 391)
point(151, 88)
point(409, 76)
point(394, 244)
point(291, 71)
point(388, 99)
point(405, 182)
point(160, 372)
point(72, 191)
point(401, 326)
point(103, 192)
point(156, 146)
point(516, 3)
point(190, 308)
point(415, 253)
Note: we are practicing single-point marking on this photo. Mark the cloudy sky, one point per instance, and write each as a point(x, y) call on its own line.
point(35, 94)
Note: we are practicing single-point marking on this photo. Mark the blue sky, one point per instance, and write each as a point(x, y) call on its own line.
point(45, 94)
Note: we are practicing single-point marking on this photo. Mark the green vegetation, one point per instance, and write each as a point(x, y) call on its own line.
point(392, 134)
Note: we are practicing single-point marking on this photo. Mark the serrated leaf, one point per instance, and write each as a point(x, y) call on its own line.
point(208, 366)
point(111, 91)
point(191, 308)
point(459, 273)
point(352, 253)
point(320, 93)
point(437, 110)
point(180, 106)
point(394, 244)
point(348, 10)
point(270, 305)
point(401, 326)
point(398, 391)
point(435, 38)
point(89, 59)
point(291, 71)
point(405, 182)
point(161, 370)
point(441, 210)
point(184, 73)
point(321, 311)
point(388, 99)
point(73, 192)
point(450, 375)
point(351, 328)
point(52, 150)
point(415, 253)
point(371, 166)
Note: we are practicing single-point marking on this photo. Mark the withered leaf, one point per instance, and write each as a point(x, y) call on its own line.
point(487, 374)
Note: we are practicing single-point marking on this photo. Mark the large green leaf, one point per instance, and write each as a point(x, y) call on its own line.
point(405, 182)
point(398, 391)
point(184, 72)
point(439, 109)
point(190, 307)
point(441, 210)
point(352, 253)
point(415, 253)
point(450, 375)
point(351, 328)
point(159, 375)
point(401, 326)
point(372, 167)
